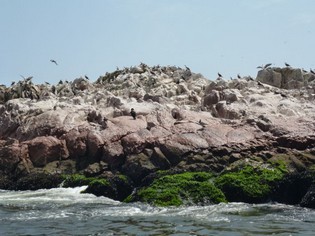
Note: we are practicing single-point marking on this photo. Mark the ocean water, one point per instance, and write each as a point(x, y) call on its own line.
point(64, 211)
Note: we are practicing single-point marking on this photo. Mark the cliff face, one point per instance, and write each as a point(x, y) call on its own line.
point(183, 122)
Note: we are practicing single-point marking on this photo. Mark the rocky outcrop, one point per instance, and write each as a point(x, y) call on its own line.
point(184, 122)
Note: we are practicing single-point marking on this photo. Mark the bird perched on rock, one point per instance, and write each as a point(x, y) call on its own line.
point(28, 78)
point(220, 76)
point(238, 76)
point(287, 65)
point(86, 77)
point(53, 61)
point(264, 66)
point(133, 113)
point(312, 71)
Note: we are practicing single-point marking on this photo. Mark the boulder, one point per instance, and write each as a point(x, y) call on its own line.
point(309, 198)
point(138, 166)
point(43, 150)
point(10, 155)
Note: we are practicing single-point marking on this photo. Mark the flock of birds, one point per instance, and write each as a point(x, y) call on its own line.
point(263, 67)
point(26, 79)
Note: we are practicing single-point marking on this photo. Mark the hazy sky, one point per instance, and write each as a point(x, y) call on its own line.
point(92, 37)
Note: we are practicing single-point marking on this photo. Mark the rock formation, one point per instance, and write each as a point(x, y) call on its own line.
point(184, 123)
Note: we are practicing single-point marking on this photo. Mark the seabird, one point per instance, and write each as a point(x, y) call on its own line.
point(220, 76)
point(12, 83)
point(286, 64)
point(187, 68)
point(46, 82)
point(133, 113)
point(312, 71)
point(260, 67)
point(28, 78)
point(86, 77)
point(238, 76)
point(53, 61)
point(267, 65)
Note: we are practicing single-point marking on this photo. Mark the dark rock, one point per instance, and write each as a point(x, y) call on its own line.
point(159, 159)
point(308, 199)
point(138, 166)
point(292, 188)
point(5, 182)
point(36, 181)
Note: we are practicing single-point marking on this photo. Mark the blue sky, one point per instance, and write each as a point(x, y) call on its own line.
point(94, 37)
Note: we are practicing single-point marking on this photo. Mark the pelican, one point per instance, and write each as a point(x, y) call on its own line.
point(53, 61)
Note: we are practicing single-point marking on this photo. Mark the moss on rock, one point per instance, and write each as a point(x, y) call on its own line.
point(117, 187)
point(249, 184)
point(178, 189)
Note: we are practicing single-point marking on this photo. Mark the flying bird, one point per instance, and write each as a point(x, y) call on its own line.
point(53, 61)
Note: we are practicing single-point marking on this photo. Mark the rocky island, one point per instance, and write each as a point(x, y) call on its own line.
point(193, 141)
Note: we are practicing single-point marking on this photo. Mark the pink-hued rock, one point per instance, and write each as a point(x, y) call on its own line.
point(10, 155)
point(94, 146)
point(113, 154)
point(179, 113)
point(45, 149)
point(76, 143)
point(136, 142)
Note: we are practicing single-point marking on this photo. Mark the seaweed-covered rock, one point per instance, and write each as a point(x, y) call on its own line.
point(249, 184)
point(178, 189)
point(117, 187)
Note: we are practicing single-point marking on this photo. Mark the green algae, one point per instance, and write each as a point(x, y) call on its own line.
point(76, 180)
point(250, 184)
point(178, 189)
